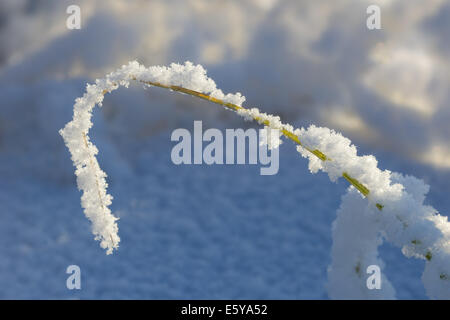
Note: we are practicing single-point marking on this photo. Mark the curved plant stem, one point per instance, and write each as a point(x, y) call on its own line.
point(290, 135)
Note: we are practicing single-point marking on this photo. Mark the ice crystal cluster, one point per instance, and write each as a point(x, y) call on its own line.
point(361, 225)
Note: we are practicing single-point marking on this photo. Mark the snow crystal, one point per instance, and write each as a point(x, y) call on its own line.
point(90, 178)
point(394, 212)
point(404, 220)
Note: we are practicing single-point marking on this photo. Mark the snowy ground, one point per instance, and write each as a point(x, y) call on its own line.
point(218, 231)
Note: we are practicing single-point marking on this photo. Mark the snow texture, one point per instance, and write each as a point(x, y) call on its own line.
point(404, 220)
point(90, 178)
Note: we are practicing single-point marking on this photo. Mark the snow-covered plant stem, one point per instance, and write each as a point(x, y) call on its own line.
point(394, 210)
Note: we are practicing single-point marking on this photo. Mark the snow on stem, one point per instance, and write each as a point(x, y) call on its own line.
point(395, 210)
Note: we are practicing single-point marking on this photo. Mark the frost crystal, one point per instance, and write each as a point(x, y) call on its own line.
point(361, 225)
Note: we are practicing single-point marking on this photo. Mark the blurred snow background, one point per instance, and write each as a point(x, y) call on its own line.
point(220, 231)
